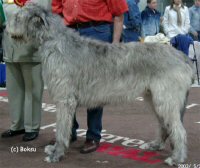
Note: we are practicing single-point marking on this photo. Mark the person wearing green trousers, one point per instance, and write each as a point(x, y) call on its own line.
point(24, 84)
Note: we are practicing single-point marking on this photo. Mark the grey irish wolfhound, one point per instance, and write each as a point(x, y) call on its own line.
point(83, 72)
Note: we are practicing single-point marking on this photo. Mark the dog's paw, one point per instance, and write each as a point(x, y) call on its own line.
point(153, 146)
point(51, 159)
point(169, 161)
point(145, 146)
point(49, 149)
point(47, 159)
point(55, 155)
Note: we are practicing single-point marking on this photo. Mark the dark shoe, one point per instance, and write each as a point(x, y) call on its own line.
point(73, 139)
point(10, 133)
point(29, 136)
point(89, 146)
point(52, 142)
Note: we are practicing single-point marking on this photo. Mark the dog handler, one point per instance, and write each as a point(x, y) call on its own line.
point(101, 20)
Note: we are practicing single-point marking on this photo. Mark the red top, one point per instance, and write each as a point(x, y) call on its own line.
point(76, 11)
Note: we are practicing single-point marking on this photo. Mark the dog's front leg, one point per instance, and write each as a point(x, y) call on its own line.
point(65, 112)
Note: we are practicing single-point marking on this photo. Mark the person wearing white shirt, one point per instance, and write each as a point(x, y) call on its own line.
point(176, 19)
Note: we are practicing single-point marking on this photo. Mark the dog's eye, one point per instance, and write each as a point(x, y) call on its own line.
point(36, 19)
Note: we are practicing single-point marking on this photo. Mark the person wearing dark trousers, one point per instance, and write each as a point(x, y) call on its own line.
point(101, 20)
point(132, 22)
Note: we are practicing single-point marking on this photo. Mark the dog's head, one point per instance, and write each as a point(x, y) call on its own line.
point(28, 23)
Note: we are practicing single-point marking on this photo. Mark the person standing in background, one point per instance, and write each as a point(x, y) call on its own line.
point(195, 20)
point(151, 19)
point(132, 22)
point(101, 20)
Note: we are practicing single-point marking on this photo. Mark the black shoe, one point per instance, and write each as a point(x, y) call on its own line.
point(10, 133)
point(29, 136)
point(73, 139)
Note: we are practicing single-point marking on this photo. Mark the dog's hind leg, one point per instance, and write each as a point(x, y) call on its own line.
point(183, 109)
point(178, 137)
point(65, 112)
point(159, 142)
point(169, 102)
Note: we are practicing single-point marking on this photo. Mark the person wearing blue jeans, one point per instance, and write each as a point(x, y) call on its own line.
point(102, 32)
point(101, 20)
point(132, 22)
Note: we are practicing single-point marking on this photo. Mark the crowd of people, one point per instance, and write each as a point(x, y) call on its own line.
point(106, 20)
point(177, 19)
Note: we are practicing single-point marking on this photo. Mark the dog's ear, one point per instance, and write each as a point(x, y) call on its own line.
point(39, 20)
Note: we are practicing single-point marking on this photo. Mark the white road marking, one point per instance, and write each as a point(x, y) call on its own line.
point(3, 99)
point(140, 98)
point(52, 107)
point(106, 137)
point(191, 105)
point(47, 126)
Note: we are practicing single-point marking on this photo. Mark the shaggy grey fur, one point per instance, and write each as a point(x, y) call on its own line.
point(83, 72)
